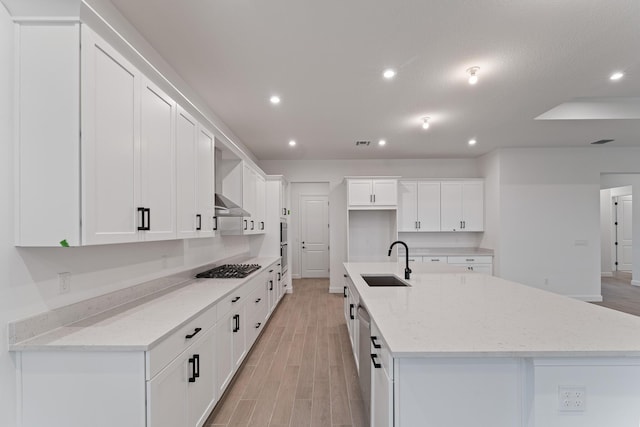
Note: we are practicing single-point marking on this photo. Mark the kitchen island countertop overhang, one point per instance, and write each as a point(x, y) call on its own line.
point(449, 313)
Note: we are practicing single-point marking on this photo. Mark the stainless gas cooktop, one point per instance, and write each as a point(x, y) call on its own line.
point(229, 271)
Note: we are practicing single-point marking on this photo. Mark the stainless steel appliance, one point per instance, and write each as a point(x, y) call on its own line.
point(229, 271)
point(364, 359)
point(283, 244)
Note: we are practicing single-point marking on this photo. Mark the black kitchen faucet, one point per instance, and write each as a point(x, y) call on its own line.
point(407, 270)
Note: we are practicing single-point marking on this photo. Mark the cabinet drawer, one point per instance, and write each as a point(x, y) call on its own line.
point(411, 258)
point(236, 297)
point(484, 259)
point(434, 259)
point(169, 348)
point(384, 356)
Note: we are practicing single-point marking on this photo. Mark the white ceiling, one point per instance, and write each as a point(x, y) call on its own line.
point(325, 59)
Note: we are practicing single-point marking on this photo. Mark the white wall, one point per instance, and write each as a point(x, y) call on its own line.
point(28, 276)
point(334, 171)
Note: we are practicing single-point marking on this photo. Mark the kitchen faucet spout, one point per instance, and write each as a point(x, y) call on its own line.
point(407, 270)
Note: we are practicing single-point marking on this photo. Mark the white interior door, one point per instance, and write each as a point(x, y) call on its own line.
point(314, 236)
point(624, 233)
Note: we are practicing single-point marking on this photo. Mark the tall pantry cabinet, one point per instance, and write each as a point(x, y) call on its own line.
point(96, 146)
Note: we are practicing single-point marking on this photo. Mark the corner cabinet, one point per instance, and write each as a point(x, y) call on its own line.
point(372, 193)
point(97, 145)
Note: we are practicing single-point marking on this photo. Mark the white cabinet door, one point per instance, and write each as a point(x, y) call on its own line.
point(272, 291)
point(167, 395)
point(224, 352)
point(451, 206)
point(110, 144)
point(157, 170)
point(239, 335)
point(385, 192)
point(186, 151)
point(204, 182)
point(408, 206)
point(473, 206)
point(428, 202)
point(249, 198)
point(202, 388)
point(360, 192)
point(261, 203)
point(381, 398)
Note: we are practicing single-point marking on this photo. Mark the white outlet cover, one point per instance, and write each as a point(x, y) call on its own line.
point(572, 398)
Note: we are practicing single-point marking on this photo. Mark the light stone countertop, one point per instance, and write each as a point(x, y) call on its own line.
point(454, 314)
point(446, 251)
point(139, 326)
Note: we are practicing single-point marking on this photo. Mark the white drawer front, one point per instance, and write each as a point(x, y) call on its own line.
point(434, 259)
point(483, 259)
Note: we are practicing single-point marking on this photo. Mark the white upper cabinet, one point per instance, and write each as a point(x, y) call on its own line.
point(204, 184)
point(110, 144)
point(102, 151)
point(249, 179)
point(157, 143)
point(462, 206)
point(186, 152)
point(261, 203)
point(373, 193)
point(419, 206)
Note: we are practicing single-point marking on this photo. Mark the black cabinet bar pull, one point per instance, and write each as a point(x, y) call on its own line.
point(279, 277)
point(195, 332)
point(344, 292)
point(141, 227)
point(258, 300)
point(258, 325)
point(375, 364)
point(245, 225)
point(215, 223)
point(351, 312)
point(148, 219)
point(261, 225)
point(236, 299)
point(464, 224)
point(375, 344)
point(192, 378)
point(270, 285)
point(196, 359)
point(252, 224)
point(270, 271)
point(236, 322)
point(199, 222)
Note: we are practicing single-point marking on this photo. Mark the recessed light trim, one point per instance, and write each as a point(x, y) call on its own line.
point(473, 75)
point(275, 99)
point(382, 142)
point(389, 73)
point(472, 141)
point(616, 76)
point(425, 122)
point(292, 143)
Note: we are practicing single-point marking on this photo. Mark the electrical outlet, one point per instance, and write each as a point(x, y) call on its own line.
point(65, 282)
point(572, 398)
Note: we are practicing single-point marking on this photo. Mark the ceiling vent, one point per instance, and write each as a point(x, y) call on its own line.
point(365, 143)
point(602, 141)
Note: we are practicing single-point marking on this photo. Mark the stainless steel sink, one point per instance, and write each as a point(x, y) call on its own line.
point(383, 280)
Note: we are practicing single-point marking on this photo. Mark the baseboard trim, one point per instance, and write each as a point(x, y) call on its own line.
point(635, 282)
point(587, 298)
point(295, 276)
point(606, 274)
point(335, 290)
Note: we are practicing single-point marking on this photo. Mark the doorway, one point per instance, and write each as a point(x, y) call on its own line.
point(309, 230)
point(623, 243)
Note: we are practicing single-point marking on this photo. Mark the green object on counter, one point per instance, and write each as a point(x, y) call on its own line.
point(64, 243)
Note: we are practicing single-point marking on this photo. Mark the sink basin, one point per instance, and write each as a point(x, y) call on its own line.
point(383, 280)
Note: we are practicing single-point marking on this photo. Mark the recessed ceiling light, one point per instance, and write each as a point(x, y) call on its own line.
point(389, 73)
point(472, 142)
point(473, 75)
point(382, 142)
point(275, 99)
point(616, 76)
point(292, 143)
point(425, 123)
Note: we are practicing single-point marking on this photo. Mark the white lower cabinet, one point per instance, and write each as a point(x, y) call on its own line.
point(183, 393)
point(350, 313)
point(479, 264)
point(381, 381)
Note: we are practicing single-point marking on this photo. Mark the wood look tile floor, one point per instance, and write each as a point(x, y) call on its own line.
point(619, 294)
point(300, 371)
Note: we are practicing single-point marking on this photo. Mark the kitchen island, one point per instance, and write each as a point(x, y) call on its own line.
point(462, 349)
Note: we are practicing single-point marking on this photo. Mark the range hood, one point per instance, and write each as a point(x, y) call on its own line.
point(227, 208)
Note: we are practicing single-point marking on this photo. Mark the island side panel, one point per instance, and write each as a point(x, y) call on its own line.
point(611, 388)
point(460, 392)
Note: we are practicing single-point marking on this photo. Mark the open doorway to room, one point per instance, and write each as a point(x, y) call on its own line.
point(309, 229)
